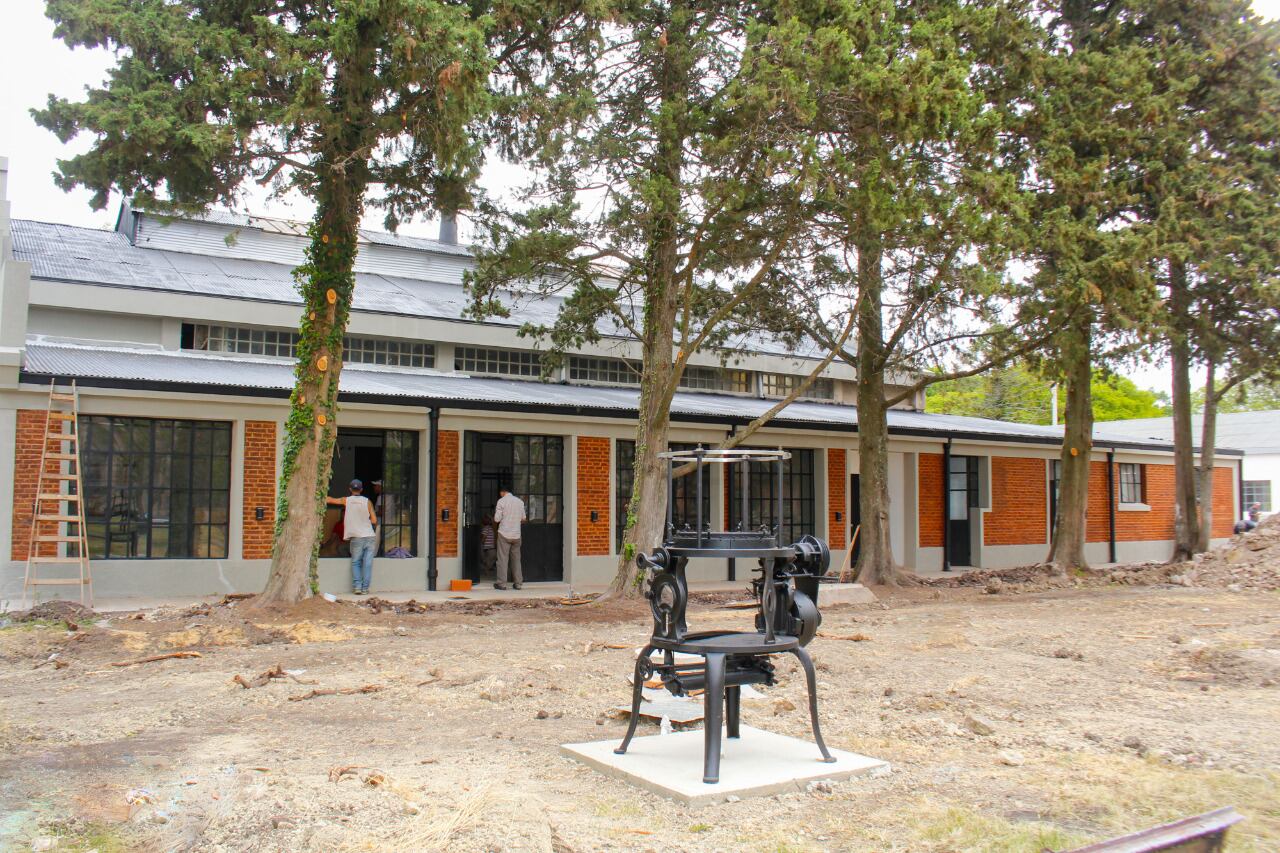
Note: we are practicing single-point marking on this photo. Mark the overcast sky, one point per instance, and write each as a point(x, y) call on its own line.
point(33, 64)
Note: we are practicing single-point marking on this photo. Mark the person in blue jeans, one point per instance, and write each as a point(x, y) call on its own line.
point(360, 529)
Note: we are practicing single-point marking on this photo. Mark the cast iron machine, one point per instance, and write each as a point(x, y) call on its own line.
point(786, 591)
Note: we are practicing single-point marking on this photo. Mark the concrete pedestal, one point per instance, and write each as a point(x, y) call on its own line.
point(845, 593)
point(758, 764)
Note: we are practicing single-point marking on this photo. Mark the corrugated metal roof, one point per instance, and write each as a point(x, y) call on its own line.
point(89, 256)
point(1252, 432)
point(276, 225)
point(127, 366)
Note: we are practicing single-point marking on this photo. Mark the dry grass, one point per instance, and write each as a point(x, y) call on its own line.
point(431, 830)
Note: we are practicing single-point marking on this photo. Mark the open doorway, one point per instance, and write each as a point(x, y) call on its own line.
point(532, 466)
point(386, 461)
point(855, 517)
point(962, 497)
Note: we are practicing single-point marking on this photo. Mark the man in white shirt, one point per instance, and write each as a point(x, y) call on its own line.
point(360, 529)
point(509, 515)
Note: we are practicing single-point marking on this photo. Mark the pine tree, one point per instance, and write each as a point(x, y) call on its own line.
point(915, 201)
point(664, 207)
point(1086, 131)
point(1212, 194)
point(336, 99)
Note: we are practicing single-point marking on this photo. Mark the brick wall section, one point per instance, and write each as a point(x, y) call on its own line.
point(930, 500)
point(26, 468)
point(447, 465)
point(259, 488)
point(593, 495)
point(1157, 524)
point(1019, 502)
point(837, 488)
point(1096, 523)
point(1224, 501)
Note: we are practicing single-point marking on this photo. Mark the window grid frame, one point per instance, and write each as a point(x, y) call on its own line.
point(283, 343)
point(1256, 491)
point(725, 379)
point(494, 361)
point(602, 370)
point(779, 385)
point(1132, 482)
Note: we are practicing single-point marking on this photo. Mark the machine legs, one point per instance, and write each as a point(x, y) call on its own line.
point(713, 713)
point(811, 680)
point(733, 709)
point(637, 694)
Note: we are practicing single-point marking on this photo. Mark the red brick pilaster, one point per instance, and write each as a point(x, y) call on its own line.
point(26, 471)
point(1019, 503)
point(259, 489)
point(593, 495)
point(837, 477)
point(446, 463)
point(929, 498)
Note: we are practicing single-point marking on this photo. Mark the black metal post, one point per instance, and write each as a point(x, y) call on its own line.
point(1111, 506)
point(777, 506)
point(745, 520)
point(697, 473)
point(727, 472)
point(671, 498)
point(946, 506)
point(433, 442)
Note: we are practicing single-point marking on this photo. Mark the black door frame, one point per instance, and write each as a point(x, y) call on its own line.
point(542, 543)
point(855, 516)
point(960, 530)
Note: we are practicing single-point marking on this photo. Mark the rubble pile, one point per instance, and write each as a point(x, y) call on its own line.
point(1248, 561)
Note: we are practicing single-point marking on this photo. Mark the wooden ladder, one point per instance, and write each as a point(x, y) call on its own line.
point(58, 512)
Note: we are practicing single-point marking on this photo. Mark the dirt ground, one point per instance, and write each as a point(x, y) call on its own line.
point(1105, 709)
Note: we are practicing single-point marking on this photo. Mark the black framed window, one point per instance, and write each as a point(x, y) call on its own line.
point(156, 489)
point(537, 476)
point(398, 502)
point(1131, 485)
point(782, 384)
point(684, 508)
point(283, 343)
point(799, 495)
point(1256, 492)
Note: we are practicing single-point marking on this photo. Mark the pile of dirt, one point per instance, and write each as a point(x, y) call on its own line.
point(67, 611)
point(1022, 578)
point(1248, 561)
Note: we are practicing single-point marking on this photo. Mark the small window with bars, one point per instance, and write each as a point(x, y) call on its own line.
point(611, 371)
point(1131, 484)
point(501, 362)
point(782, 384)
point(716, 379)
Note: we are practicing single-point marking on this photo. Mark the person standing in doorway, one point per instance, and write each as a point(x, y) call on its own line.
point(360, 529)
point(488, 544)
point(509, 515)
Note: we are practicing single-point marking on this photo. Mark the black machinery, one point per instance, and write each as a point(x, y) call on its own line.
point(786, 590)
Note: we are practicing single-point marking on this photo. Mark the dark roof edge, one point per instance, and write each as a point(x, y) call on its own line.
point(560, 409)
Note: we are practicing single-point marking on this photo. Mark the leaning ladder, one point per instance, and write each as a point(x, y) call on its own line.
point(58, 513)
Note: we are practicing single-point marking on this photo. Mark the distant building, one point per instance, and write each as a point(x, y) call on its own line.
point(1255, 433)
point(181, 334)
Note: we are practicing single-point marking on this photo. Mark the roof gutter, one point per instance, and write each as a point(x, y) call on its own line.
point(561, 409)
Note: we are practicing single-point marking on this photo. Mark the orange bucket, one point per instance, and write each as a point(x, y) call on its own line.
point(459, 585)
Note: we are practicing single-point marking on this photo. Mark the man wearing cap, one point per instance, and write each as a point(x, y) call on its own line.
point(360, 529)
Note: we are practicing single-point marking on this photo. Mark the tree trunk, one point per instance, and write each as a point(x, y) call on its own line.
point(328, 280)
point(875, 557)
point(646, 512)
point(1186, 520)
point(1208, 441)
point(1067, 548)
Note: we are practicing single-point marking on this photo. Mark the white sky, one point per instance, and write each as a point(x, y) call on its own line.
point(33, 65)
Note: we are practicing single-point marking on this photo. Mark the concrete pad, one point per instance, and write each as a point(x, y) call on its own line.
point(758, 764)
point(845, 593)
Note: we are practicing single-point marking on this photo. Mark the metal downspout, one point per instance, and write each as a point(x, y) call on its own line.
point(725, 471)
point(433, 442)
point(946, 506)
point(1111, 505)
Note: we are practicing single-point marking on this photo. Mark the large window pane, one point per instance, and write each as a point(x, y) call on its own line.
point(148, 484)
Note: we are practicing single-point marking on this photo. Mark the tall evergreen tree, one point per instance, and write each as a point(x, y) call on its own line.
point(1087, 127)
point(1211, 190)
point(350, 102)
point(916, 201)
point(663, 207)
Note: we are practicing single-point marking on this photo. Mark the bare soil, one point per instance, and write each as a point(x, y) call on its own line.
point(1110, 708)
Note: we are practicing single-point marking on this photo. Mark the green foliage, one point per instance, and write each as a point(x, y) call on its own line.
point(1251, 395)
point(1015, 393)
